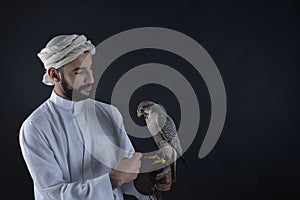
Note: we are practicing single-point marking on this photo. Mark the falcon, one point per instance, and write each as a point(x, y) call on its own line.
point(164, 133)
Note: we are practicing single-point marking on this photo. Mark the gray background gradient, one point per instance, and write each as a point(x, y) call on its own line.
point(255, 47)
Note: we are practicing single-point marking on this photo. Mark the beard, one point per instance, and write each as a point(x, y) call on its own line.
point(71, 93)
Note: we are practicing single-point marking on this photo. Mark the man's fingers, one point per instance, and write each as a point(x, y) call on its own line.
point(164, 187)
point(164, 180)
point(136, 161)
point(164, 173)
point(130, 165)
point(137, 155)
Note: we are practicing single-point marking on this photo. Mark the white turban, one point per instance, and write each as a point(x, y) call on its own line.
point(62, 50)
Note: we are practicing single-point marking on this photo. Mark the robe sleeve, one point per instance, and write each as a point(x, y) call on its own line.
point(48, 176)
point(130, 189)
point(127, 188)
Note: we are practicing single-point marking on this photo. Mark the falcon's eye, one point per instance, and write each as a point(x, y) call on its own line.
point(141, 110)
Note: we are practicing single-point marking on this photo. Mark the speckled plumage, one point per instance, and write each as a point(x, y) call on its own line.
point(163, 130)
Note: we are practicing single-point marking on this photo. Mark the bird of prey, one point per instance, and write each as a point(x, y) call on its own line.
point(163, 130)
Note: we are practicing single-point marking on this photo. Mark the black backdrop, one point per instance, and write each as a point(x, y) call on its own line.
point(253, 43)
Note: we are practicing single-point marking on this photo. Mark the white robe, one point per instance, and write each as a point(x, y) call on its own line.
point(61, 167)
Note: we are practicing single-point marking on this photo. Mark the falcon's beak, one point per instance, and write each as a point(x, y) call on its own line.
point(139, 114)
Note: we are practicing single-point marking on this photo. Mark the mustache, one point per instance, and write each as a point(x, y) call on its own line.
point(85, 86)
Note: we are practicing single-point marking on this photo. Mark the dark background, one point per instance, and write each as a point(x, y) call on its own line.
point(253, 43)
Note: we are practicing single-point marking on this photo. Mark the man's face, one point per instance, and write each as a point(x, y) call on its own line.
point(77, 77)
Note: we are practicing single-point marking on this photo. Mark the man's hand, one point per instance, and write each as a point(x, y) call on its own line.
point(164, 180)
point(126, 170)
point(160, 180)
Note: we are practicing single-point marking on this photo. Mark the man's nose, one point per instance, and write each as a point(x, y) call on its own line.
point(89, 77)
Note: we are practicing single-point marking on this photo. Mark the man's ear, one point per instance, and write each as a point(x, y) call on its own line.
point(54, 74)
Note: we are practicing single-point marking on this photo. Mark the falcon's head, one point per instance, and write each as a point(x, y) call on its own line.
point(144, 108)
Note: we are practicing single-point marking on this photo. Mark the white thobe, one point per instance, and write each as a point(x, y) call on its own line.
point(64, 160)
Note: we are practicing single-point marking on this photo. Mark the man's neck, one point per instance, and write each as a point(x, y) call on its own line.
point(60, 93)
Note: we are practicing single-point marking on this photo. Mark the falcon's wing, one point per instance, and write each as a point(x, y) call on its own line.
point(169, 132)
point(166, 126)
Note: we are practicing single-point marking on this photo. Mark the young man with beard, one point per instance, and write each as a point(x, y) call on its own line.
point(71, 153)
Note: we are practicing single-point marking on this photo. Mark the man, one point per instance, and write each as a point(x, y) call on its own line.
point(76, 147)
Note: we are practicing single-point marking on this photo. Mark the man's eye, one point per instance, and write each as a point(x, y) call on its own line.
point(79, 72)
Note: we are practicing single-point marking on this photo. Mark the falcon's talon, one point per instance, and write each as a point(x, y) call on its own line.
point(153, 157)
point(159, 161)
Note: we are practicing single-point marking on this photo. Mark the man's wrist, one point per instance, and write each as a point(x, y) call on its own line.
point(114, 179)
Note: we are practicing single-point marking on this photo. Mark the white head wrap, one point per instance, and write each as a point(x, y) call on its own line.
point(62, 50)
